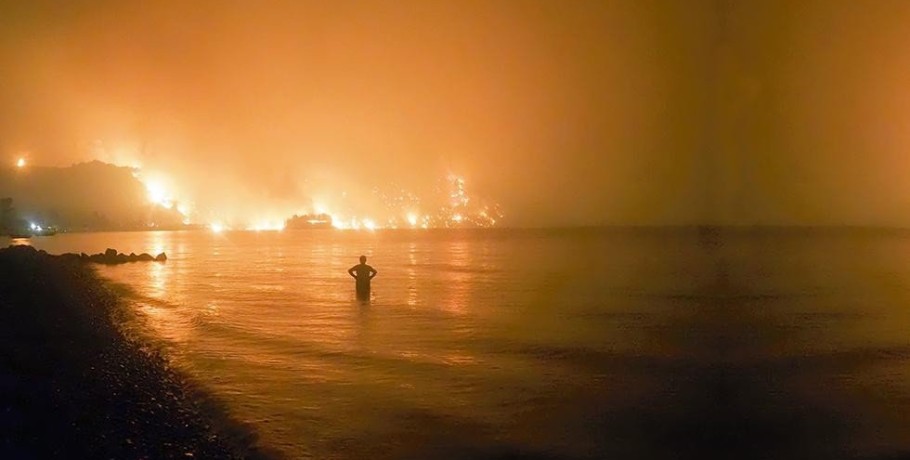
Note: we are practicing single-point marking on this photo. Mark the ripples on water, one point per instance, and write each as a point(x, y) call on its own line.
point(537, 344)
point(474, 343)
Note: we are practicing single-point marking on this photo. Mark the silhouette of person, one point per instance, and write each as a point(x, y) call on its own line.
point(363, 273)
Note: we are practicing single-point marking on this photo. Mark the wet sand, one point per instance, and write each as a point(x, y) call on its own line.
point(74, 385)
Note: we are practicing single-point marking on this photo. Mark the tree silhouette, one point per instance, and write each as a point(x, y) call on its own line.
point(9, 218)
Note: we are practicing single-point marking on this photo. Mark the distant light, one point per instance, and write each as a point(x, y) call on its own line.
point(267, 226)
point(369, 224)
point(338, 223)
point(158, 194)
point(20, 163)
point(412, 219)
point(216, 227)
point(457, 218)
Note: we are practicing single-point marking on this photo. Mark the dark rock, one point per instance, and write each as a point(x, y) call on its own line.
point(109, 257)
point(70, 257)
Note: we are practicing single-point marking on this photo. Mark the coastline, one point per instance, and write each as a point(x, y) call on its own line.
point(73, 384)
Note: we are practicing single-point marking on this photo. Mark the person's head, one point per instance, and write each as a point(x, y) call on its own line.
point(363, 259)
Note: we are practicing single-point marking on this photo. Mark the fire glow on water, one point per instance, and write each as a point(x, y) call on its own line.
point(451, 206)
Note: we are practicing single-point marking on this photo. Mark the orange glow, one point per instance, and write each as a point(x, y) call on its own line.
point(392, 207)
point(454, 207)
point(157, 193)
point(20, 163)
point(267, 226)
point(338, 223)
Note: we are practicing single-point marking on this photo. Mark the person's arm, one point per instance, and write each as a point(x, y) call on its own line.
point(373, 273)
point(351, 272)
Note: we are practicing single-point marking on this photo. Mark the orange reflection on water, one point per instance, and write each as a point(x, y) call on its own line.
point(212, 309)
point(412, 275)
point(459, 359)
point(159, 242)
point(158, 276)
point(459, 278)
point(166, 321)
point(164, 314)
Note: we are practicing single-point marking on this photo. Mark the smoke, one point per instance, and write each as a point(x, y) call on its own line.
point(564, 113)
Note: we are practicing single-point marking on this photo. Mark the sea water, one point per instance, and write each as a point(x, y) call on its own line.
point(576, 344)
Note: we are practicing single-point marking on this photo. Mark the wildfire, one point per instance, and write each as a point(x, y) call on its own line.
point(454, 207)
point(451, 206)
point(157, 194)
point(267, 226)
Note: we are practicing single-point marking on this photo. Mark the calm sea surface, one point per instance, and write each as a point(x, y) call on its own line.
point(538, 344)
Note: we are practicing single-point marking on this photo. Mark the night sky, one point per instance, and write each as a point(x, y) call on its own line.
point(623, 112)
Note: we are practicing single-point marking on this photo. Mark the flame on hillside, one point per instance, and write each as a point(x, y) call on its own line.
point(450, 206)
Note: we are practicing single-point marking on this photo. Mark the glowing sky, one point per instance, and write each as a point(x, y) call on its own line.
point(812, 113)
point(565, 112)
point(578, 112)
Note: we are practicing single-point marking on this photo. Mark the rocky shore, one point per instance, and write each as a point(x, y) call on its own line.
point(73, 385)
point(112, 257)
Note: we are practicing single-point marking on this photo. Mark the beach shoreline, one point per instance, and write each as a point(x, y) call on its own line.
point(74, 384)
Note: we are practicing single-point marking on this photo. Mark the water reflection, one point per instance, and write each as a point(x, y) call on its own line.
point(412, 275)
point(458, 278)
point(159, 242)
point(270, 322)
point(211, 308)
point(158, 275)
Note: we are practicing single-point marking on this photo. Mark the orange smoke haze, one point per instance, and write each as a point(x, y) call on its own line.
point(561, 112)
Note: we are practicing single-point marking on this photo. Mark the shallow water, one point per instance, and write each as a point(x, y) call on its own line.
point(539, 344)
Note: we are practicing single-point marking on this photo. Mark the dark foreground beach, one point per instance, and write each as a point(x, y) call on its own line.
point(74, 385)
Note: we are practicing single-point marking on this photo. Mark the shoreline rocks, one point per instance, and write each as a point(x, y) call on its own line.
point(76, 385)
point(112, 257)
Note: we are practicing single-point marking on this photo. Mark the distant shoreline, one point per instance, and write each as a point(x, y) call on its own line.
point(699, 230)
point(73, 385)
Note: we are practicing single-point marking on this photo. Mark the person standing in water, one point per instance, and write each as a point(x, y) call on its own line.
point(363, 273)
